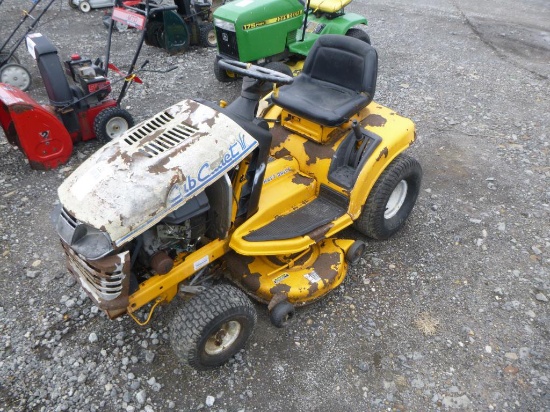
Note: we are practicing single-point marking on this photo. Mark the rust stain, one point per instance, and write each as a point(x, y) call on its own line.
point(281, 153)
point(279, 134)
point(383, 152)
point(319, 234)
point(281, 288)
point(238, 265)
point(299, 179)
point(20, 108)
point(315, 152)
point(374, 120)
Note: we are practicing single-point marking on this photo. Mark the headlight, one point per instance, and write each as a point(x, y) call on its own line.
point(85, 240)
point(90, 242)
point(225, 25)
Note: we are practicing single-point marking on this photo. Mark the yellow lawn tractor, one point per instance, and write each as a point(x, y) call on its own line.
point(218, 203)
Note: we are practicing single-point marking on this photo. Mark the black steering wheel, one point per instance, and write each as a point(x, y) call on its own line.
point(256, 72)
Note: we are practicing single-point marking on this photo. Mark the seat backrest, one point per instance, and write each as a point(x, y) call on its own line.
point(345, 61)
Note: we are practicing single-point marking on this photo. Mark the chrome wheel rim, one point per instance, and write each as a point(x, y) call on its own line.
point(115, 127)
point(396, 200)
point(85, 7)
point(223, 338)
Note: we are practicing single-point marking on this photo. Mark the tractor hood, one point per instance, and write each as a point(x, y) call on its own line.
point(138, 178)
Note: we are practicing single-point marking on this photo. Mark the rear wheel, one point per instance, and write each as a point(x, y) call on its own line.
point(358, 34)
point(212, 327)
point(84, 7)
point(111, 123)
point(72, 5)
point(16, 75)
point(392, 199)
point(208, 35)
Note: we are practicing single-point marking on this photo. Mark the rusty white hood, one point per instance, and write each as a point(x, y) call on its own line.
point(155, 167)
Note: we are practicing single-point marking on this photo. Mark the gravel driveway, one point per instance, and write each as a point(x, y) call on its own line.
point(450, 314)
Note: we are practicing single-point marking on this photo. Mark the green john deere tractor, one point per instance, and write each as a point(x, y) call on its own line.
point(279, 33)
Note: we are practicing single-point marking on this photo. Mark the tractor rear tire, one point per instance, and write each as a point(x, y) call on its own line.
point(358, 34)
point(221, 74)
point(391, 199)
point(208, 35)
point(212, 326)
point(111, 123)
point(72, 5)
point(16, 75)
point(84, 6)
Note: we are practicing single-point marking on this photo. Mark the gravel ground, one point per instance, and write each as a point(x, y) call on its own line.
point(450, 314)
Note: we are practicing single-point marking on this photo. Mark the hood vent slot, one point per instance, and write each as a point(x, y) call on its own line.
point(166, 138)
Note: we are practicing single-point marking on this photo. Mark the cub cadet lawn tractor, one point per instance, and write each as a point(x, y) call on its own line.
point(272, 32)
point(216, 203)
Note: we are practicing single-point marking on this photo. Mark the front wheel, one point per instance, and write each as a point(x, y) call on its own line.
point(212, 327)
point(111, 123)
point(392, 199)
point(223, 75)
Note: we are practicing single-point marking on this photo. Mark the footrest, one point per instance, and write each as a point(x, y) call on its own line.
point(328, 206)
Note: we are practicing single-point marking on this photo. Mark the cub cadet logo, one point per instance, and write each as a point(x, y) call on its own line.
point(273, 20)
point(207, 171)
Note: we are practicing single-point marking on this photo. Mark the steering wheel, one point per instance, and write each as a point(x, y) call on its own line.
point(256, 72)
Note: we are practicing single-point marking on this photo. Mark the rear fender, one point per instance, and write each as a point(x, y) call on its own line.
point(341, 24)
point(398, 134)
point(34, 129)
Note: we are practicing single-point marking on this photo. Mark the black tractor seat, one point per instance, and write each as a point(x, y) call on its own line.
point(338, 79)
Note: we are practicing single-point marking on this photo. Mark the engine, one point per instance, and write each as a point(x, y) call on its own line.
point(178, 232)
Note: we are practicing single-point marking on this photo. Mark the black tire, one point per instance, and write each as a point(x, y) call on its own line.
point(111, 123)
point(383, 215)
point(84, 7)
point(355, 252)
point(151, 37)
point(282, 313)
point(358, 34)
point(16, 75)
point(221, 74)
point(72, 5)
point(208, 35)
point(221, 312)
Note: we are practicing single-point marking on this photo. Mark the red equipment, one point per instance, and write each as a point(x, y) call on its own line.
point(77, 112)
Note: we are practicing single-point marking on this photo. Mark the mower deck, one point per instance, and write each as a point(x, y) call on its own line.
point(300, 278)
